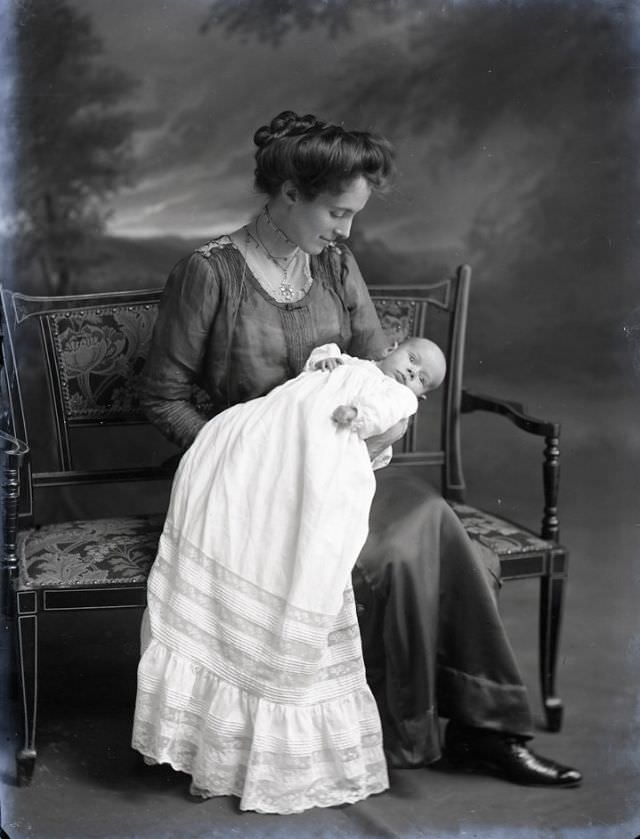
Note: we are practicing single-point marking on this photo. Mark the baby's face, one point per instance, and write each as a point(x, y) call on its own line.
point(417, 363)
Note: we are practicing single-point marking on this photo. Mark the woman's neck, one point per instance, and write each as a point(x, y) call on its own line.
point(270, 234)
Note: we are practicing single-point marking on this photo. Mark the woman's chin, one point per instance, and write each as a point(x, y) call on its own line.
point(313, 248)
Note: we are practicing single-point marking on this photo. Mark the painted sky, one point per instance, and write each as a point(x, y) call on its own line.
point(200, 98)
point(516, 128)
point(489, 104)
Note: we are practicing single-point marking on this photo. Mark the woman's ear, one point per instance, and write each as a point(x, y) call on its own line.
point(290, 192)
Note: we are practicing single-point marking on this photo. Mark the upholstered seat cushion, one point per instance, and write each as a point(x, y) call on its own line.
point(121, 550)
point(80, 553)
point(501, 536)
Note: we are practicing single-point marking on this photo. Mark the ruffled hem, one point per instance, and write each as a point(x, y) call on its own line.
point(276, 757)
point(317, 798)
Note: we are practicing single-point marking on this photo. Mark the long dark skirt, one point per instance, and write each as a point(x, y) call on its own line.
point(434, 643)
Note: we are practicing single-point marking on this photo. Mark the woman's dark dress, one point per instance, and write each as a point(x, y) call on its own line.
point(433, 640)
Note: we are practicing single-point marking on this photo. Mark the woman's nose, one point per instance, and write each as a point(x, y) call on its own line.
point(343, 229)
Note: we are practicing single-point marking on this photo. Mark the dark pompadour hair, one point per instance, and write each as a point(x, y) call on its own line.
point(318, 156)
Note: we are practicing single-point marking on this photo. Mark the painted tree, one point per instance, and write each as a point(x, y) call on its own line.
point(272, 20)
point(535, 102)
point(73, 139)
point(523, 114)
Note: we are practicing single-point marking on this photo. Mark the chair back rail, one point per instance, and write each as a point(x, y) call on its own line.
point(410, 310)
point(92, 352)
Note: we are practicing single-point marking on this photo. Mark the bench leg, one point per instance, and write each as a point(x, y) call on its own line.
point(551, 601)
point(28, 671)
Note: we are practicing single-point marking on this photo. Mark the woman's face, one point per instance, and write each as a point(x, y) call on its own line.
point(312, 225)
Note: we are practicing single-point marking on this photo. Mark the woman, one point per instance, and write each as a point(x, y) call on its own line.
point(238, 317)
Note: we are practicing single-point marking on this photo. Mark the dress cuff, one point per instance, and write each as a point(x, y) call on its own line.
point(382, 459)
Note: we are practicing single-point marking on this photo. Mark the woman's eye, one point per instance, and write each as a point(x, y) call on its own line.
point(335, 214)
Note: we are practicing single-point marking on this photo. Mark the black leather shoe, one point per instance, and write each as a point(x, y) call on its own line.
point(504, 755)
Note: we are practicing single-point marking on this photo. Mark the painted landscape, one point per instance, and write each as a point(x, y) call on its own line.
point(516, 125)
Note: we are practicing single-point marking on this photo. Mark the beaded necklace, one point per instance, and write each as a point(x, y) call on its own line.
point(275, 227)
point(285, 291)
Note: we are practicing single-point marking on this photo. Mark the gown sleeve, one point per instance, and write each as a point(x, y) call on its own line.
point(381, 408)
point(319, 353)
point(187, 309)
point(381, 405)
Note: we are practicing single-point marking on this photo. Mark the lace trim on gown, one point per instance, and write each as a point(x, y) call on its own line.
point(250, 696)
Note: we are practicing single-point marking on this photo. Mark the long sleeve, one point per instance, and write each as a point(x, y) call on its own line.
point(380, 410)
point(322, 352)
point(381, 405)
point(187, 310)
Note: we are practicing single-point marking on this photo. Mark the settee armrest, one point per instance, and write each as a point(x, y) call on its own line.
point(512, 410)
point(515, 412)
point(12, 452)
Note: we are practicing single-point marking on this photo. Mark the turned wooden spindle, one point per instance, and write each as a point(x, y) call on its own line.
point(551, 478)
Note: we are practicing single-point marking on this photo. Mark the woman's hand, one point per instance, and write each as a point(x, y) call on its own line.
point(378, 443)
point(328, 364)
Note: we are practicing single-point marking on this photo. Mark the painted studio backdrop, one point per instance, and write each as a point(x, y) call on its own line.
point(516, 126)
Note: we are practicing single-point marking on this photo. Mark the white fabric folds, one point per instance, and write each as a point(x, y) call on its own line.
point(251, 678)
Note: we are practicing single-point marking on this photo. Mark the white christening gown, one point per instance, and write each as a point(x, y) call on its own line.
point(251, 678)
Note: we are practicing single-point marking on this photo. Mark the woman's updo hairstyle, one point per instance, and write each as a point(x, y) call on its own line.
point(318, 156)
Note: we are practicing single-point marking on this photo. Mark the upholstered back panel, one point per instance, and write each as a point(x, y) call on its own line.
point(97, 356)
point(94, 348)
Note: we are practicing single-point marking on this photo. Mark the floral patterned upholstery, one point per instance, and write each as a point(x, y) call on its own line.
point(80, 553)
point(501, 536)
point(100, 354)
point(397, 318)
point(121, 550)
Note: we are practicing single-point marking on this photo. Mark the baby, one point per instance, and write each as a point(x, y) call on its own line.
point(268, 513)
point(416, 363)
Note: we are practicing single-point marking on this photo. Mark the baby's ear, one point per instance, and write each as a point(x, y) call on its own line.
point(388, 350)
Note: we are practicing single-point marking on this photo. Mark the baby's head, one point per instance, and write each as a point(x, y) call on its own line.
point(417, 363)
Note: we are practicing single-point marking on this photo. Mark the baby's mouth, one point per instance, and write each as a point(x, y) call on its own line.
point(400, 377)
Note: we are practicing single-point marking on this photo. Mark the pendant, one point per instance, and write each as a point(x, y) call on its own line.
point(286, 291)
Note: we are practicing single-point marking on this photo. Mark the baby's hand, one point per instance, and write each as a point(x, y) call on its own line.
point(328, 364)
point(344, 414)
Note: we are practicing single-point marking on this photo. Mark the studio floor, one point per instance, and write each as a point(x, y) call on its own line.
point(89, 783)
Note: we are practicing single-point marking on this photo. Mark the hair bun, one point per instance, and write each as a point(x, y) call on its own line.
point(286, 124)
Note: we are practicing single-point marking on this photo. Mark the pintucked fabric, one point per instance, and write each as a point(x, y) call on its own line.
point(433, 640)
point(219, 328)
point(434, 643)
point(236, 699)
point(252, 679)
